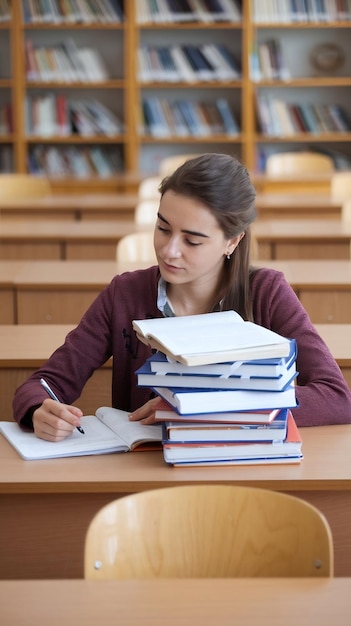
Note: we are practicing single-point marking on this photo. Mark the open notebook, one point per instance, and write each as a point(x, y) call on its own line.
point(109, 430)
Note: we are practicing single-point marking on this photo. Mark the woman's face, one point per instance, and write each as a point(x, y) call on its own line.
point(189, 244)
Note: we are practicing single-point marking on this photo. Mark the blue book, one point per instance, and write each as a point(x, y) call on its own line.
point(224, 432)
point(147, 378)
point(271, 368)
point(186, 400)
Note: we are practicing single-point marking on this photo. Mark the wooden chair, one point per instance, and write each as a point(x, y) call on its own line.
point(169, 164)
point(298, 163)
point(208, 531)
point(148, 188)
point(16, 186)
point(340, 185)
point(136, 247)
point(146, 212)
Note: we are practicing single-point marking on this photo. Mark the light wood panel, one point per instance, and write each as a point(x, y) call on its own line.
point(204, 602)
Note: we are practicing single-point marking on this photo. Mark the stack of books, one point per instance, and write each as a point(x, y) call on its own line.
point(227, 387)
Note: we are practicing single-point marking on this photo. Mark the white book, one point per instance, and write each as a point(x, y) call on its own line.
point(200, 12)
point(264, 368)
point(206, 432)
point(165, 413)
point(73, 54)
point(185, 70)
point(47, 116)
point(109, 430)
point(185, 400)
point(93, 64)
point(147, 378)
point(108, 122)
point(211, 338)
point(220, 72)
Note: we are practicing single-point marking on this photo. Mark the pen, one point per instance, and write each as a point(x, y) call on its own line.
point(54, 397)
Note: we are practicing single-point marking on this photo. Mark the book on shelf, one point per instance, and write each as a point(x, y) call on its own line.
point(290, 447)
point(109, 430)
point(194, 400)
point(165, 412)
point(196, 432)
point(270, 368)
point(147, 378)
point(211, 338)
point(229, 122)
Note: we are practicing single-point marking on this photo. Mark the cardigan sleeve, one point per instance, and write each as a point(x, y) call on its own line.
point(322, 392)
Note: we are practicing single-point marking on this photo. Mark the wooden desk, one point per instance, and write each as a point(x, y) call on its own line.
point(71, 207)
point(338, 339)
point(47, 505)
point(97, 239)
point(194, 602)
point(297, 206)
point(302, 239)
point(25, 348)
point(59, 239)
point(59, 292)
point(119, 206)
point(8, 271)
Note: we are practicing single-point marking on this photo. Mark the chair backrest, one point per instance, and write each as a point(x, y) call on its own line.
point(136, 247)
point(169, 164)
point(208, 531)
point(148, 188)
point(18, 186)
point(146, 212)
point(340, 185)
point(298, 163)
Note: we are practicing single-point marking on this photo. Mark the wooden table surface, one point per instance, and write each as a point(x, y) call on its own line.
point(194, 602)
point(46, 506)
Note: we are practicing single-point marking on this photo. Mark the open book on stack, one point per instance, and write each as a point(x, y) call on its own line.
point(229, 404)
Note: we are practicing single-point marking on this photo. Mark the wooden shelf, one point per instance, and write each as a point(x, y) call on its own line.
point(125, 91)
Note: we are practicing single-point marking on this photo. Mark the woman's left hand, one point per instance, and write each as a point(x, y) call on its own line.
point(146, 413)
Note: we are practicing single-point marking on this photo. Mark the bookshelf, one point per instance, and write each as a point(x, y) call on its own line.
point(132, 149)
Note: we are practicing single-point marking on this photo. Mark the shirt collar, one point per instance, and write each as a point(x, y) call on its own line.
point(162, 302)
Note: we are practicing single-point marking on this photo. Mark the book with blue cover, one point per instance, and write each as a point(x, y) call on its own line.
point(160, 363)
point(147, 378)
point(193, 400)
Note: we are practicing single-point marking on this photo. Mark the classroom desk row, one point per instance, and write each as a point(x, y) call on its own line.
point(195, 602)
point(118, 206)
point(25, 347)
point(97, 239)
point(57, 292)
point(46, 506)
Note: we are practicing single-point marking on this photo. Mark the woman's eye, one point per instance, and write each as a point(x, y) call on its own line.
point(193, 243)
point(162, 229)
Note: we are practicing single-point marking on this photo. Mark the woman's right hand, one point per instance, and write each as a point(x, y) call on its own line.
point(54, 421)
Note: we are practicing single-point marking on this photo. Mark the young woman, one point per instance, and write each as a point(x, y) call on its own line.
point(202, 244)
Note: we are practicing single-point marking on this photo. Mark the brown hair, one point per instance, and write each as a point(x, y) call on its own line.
point(223, 185)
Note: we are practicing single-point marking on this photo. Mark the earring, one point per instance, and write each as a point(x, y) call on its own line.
point(228, 257)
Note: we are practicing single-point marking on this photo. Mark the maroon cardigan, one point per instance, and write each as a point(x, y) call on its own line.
point(106, 330)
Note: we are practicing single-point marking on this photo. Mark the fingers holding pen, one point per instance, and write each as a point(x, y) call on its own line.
point(54, 421)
